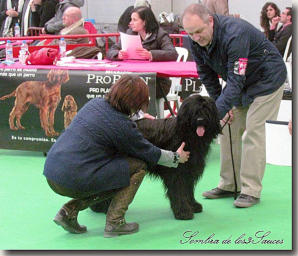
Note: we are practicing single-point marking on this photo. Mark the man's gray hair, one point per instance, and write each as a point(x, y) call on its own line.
point(199, 10)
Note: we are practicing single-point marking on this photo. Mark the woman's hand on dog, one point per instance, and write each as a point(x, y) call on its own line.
point(184, 155)
point(148, 116)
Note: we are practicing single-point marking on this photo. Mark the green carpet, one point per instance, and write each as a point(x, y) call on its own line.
point(28, 206)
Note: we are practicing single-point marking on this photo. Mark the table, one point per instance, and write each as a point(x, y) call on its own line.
point(88, 79)
point(162, 69)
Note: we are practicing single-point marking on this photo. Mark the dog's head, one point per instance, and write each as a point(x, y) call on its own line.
point(69, 104)
point(199, 115)
point(56, 76)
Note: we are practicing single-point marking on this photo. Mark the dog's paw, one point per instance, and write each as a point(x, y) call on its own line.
point(184, 216)
point(197, 207)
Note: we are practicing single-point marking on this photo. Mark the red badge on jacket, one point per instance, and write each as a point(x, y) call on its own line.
point(240, 66)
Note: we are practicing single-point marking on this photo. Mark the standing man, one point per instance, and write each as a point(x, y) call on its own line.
point(254, 73)
point(281, 36)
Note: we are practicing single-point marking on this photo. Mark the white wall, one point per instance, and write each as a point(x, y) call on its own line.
point(109, 11)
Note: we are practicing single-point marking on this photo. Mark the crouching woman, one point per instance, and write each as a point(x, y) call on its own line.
point(102, 155)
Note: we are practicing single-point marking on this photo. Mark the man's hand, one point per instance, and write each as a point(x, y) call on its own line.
point(184, 155)
point(228, 118)
point(12, 13)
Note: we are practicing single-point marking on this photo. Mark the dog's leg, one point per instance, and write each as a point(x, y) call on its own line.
point(196, 206)
point(51, 120)
point(16, 114)
point(43, 116)
point(11, 119)
point(177, 194)
point(19, 113)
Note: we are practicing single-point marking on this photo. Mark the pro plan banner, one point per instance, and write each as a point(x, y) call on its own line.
point(37, 105)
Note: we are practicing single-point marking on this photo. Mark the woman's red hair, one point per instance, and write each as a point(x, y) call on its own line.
point(129, 94)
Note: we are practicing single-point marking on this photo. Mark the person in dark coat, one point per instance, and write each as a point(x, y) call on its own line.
point(280, 37)
point(157, 45)
point(10, 14)
point(254, 72)
point(102, 155)
point(42, 11)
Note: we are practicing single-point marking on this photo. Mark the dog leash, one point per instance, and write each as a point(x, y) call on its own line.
point(232, 157)
point(166, 100)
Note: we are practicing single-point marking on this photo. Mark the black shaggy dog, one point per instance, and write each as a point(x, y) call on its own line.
point(197, 124)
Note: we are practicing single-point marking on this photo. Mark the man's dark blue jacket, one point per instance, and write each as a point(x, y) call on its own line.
point(249, 63)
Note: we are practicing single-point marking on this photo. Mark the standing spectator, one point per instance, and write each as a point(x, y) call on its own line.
point(269, 11)
point(124, 20)
point(42, 11)
point(254, 73)
point(26, 17)
point(220, 7)
point(54, 25)
point(280, 36)
point(10, 14)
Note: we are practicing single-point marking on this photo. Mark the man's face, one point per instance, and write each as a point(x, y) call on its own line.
point(284, 18)
point(197, 29)
point(67, 19)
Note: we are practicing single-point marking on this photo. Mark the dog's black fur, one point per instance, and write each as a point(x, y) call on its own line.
point(168, 134)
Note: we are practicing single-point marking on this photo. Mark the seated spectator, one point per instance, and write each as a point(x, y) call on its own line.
point(269, 11)
point(74, 25)
point(157, 45)
point(10, 12)
point(42, 11)
point(124, 20)
point(54, 25)
point(280, 36)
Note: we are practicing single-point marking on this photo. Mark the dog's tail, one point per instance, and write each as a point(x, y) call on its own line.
point(12, 94)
